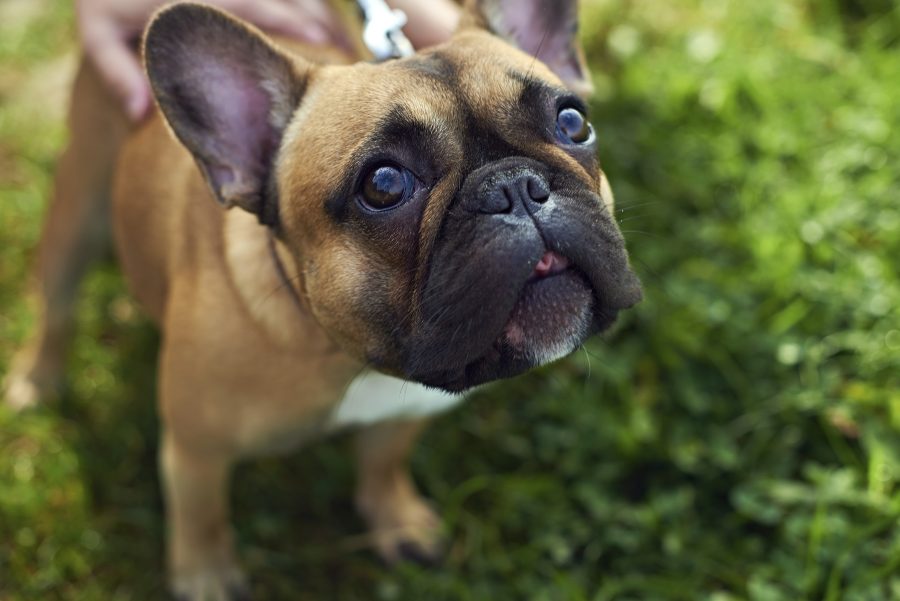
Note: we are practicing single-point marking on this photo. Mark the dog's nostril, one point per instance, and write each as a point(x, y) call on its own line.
point(512, 192)
point(508, 195)
point(537, 189)
point(499, 200)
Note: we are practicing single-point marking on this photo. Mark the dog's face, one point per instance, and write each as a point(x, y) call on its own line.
point(447, 212)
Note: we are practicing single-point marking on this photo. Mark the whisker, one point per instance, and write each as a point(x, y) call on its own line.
point(651, 235)
point(590, 354)
point(537, 53)
point(623, 208)
point(655, 277)
point(646, 266)
point(632, 218)
point(587, 355)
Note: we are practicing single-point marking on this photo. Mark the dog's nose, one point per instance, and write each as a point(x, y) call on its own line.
point(518, 189)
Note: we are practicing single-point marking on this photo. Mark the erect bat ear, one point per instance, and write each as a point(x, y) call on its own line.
point(228, 94)
point(545, 29)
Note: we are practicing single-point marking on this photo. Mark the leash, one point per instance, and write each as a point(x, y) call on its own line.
point(383, 31)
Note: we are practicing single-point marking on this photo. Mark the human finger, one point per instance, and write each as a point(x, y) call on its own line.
point(282, 18)
point(118, 67)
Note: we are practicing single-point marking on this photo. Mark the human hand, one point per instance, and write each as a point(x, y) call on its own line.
point(430, 22)
point(109, 29)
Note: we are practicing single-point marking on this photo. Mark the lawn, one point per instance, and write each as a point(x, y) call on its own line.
point(737, 437)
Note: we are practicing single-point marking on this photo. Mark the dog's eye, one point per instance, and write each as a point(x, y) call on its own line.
point(573, 126)
point(386, 187)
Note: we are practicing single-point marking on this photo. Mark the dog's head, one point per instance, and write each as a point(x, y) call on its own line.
point(447, 211)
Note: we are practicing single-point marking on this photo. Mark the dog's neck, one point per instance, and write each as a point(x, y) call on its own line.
point(269, 285)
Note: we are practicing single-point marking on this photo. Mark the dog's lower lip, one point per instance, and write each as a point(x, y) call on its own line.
point(536, 277)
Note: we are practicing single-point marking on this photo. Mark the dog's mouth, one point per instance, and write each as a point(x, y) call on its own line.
point(554, 314)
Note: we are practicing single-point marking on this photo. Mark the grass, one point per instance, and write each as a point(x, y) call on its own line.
point(735, 439)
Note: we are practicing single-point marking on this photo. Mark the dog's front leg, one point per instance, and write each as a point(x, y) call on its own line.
point(402, 524)
point(201, 554)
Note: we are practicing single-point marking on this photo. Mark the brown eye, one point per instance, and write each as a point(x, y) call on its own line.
point(386, 187)
point(573, 126)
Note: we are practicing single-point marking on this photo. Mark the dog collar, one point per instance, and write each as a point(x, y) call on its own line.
point(383, 31)
point(283, 273)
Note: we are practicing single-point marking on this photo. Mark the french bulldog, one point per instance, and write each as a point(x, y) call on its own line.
point(334, 245)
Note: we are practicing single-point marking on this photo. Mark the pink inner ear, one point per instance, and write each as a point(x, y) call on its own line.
point(227, 94)
point(548, 37)
point(239, 109)
point(524, 23)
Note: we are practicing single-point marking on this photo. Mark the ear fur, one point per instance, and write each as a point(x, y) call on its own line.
point(545, 29)
point(227, 94)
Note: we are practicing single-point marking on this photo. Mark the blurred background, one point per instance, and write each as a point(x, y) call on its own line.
point(735, 438)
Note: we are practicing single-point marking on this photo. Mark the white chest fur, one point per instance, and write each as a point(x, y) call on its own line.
point(374, 397)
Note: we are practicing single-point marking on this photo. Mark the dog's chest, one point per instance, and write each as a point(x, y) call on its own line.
point(374, 397)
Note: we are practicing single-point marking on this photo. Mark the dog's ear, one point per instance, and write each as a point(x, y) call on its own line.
point(545, 29)
point(228, 94)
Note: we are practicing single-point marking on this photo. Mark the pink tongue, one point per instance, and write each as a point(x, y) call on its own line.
point(551, 263)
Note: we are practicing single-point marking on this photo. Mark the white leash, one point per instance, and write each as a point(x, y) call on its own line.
point(383, 32)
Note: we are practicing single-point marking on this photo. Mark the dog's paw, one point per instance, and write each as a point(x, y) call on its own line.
point(23, 390)
point(29, 382)
point(406, 532)
point(222, 584)
point(20, 392)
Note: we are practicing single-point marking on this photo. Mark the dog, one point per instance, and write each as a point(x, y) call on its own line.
point(327, 246)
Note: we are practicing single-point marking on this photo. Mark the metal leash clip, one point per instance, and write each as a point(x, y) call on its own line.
point(383, 32)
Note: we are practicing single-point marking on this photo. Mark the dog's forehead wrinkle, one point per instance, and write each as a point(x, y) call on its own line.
point(436, 65)
point(412, 115)
point(533, 87)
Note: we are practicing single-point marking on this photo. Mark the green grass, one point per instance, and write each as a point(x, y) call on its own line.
point(736, 438)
